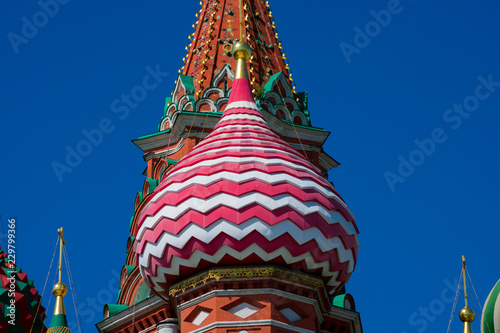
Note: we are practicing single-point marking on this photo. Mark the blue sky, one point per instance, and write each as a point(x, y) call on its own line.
point(412, 102)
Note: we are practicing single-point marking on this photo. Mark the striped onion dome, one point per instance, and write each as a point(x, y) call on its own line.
point(490, 321)
point(243, 196)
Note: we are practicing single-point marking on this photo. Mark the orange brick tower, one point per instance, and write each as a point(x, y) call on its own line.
point(237, 228)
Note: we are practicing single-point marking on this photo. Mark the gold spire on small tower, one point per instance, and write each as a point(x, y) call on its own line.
point(59, 322)
point(466, 314)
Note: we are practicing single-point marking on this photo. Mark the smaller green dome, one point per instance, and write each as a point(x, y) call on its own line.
point(490, 321)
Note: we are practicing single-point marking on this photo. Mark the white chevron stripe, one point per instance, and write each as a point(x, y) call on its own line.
point(242, 104)
point(239, 129)
point(216, 161)
point(253, 249)
point(242, 128)
point(207, 235)
point(240, 178)
point(242, 116)
point(212, 149)
point(270, 203)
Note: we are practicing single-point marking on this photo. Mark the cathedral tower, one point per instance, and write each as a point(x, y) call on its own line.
point(237, 228)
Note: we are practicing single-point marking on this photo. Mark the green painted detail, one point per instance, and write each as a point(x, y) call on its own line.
point(187, 82)
point(141, 198)
point(23, 286)
point(118, 296)
point(168, 101)
point(487, 321)
point(129, 268)
point(153, 183)
point(130, 225)
point(269, 84)
point(59, 321)
point(210, 114)
point(170, 162)
point(338, 301)
point(114, 309)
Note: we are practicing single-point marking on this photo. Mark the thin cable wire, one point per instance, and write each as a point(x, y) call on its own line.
point(73, 292)
point(455, 303)
point(293, 125)
point(53, 283)
point(133, 308)
point(477, 299)
point(45, 285)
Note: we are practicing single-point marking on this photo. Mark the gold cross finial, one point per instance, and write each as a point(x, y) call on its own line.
point(63, 242)
point(61, 234)
point(465, 285)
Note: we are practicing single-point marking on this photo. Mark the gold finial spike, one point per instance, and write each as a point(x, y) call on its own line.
point(465, 286)
point(241, 19)
point(59, 322)
point(466, 314)
point(63, 242)
point(241, 52)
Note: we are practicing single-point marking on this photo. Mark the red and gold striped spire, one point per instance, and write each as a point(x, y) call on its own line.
point(219, 27)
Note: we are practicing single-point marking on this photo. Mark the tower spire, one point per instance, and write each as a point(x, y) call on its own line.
point(59, 324)
point(221, 24)
point(466, 314)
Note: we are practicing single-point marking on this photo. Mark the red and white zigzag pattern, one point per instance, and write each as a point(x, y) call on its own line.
point(244, 196)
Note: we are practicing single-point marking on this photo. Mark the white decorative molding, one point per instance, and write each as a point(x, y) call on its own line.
point(225, 71)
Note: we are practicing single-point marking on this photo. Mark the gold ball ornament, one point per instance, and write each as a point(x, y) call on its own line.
point(467, 315)
point(60, 289)
point(242, 50)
